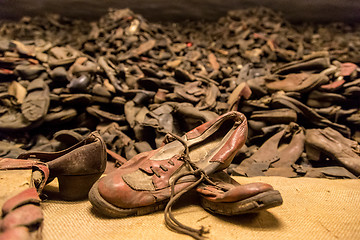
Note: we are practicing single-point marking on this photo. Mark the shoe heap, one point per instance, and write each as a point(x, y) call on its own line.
point(141, 85)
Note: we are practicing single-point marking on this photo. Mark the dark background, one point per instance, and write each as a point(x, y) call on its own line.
point(177, 10)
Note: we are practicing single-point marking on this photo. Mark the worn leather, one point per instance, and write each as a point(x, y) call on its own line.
point(282, 115)
point(280, 99)
point(21, 210)
point(37, 101)
point(271, 154)
point(21, 215)
point(26, 215)
point(25, 197)
point(228, 190)
point(85, 157)
point(18, 233)
point(10, 163)
point(348, 69)
point(336, 147)
point(306, 64)
point(298, 82)
point(146, 178)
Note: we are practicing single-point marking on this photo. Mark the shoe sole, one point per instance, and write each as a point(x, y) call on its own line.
point(253, 204)
point(105, 208)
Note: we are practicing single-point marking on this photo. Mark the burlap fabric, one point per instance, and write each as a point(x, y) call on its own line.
point(312, 209)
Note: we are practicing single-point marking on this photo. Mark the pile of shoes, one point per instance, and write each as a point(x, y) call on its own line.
point(127, 88)
point(148, 182)
point(135, 81)
point(301, 100)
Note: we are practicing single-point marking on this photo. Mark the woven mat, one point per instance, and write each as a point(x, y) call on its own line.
point(312, 208)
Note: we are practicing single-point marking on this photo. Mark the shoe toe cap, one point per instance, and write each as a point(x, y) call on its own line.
point(116, 191)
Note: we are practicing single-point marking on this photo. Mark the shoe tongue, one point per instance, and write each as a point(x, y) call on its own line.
point(168, 151)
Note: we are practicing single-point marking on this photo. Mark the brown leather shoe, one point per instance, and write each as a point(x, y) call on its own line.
point(228, 197)
point(37, 100)
point(298, 82)
point(275, 116)
point(33, 109)
point(77, 167)
point(330, 143)
point(242, 90)
point(319, 63)
point(281, 100)
point(318, 99)
point(280, 151)
point(143, 184)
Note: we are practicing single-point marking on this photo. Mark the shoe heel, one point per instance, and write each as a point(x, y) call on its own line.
point(312, 153)
point(76, 187)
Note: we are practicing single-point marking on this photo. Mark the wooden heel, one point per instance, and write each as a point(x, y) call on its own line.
point(312, 153)
point(76, 187)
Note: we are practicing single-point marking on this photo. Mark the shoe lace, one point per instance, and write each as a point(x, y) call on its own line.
point(170, 221)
